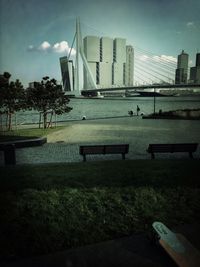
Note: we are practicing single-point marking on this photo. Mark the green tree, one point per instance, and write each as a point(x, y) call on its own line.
point(47, 96)
point(12, 98)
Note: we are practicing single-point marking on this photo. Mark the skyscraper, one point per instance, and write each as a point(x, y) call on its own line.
point(182, 68)
point(195, 71)
point(92, 53)
point(119, 59)
point(105, 64)
point(67, 71)
point(110, 61)
point(198, 60)
point(128, 74)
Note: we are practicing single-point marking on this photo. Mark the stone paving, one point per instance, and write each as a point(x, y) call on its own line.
point(63, 145)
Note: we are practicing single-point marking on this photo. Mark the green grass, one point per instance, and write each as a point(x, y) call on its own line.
point(51, 207)
point(27, 133)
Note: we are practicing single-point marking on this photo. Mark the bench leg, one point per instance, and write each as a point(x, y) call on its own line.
point(9, 155)
point(84, 157)
point(123, 156)
point(152, 156)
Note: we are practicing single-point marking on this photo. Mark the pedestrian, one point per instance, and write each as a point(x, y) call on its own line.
point(138, 110)
point(130, 112)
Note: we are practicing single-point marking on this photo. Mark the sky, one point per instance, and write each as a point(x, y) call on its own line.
point(34, 34)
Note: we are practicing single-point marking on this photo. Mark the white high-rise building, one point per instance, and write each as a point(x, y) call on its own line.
point(119, 59)
point(105, 64)
point(91, 46)
point(119, 52)
point(105, 74)
point(128, 75)
point(106, 49)
point(118, 74)
point(110, 62)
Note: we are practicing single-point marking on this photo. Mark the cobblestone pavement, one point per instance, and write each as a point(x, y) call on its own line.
point(63, 145)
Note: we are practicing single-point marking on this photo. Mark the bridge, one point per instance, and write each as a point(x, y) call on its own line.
point(140, 89)
point(143, 87)
point(151, 72)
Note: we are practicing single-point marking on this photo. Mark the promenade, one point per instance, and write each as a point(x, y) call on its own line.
point(63, 145)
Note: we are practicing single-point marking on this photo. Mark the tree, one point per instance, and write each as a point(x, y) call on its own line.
point(47, 95)
point(12, 98)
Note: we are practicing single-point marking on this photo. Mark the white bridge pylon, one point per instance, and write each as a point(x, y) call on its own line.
point(80, 52)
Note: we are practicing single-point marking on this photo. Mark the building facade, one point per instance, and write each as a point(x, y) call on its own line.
point(110, 61)
point(195, 71)
point(67, 72)
point(119, 60)
point(128, 74)
point(181, 76)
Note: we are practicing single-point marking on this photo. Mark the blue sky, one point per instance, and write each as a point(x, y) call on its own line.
point(35, 33)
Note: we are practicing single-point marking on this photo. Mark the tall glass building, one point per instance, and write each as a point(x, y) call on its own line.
point(67, 71)
point(195, 71)
point(182, 69)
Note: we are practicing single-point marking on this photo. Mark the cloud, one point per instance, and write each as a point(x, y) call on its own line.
point(31, 48)
point(63, 47)
point(45, 46)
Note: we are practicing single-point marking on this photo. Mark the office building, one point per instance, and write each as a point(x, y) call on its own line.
point(128, 72)
point(119, 50)
point(106, 50)
point(67, 72)
point(198, 60)
point(91, 46)
point(182, 69)
point(110, 61)
point(119, 60)
point(195, 71)
point(104, 74)
point(104, 67)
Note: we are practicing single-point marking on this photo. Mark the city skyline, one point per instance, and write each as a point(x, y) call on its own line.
point(34, 34)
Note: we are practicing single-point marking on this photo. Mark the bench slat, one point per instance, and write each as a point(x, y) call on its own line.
point(104, 149)
point(171, 148)
point(91, 150)
point(112, 149)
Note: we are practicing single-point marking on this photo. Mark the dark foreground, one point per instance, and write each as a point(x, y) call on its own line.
point(53, 207)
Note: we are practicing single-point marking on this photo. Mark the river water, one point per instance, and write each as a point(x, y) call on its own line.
point(114, 107)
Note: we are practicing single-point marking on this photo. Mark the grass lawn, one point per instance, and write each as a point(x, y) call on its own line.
point(51, 207)
point(27, 133)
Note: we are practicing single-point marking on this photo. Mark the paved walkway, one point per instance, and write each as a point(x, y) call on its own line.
point(136, 250)
point(63, 145)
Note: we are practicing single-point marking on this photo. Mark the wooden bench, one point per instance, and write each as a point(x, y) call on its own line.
point(104, 149)
point(171, 148)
